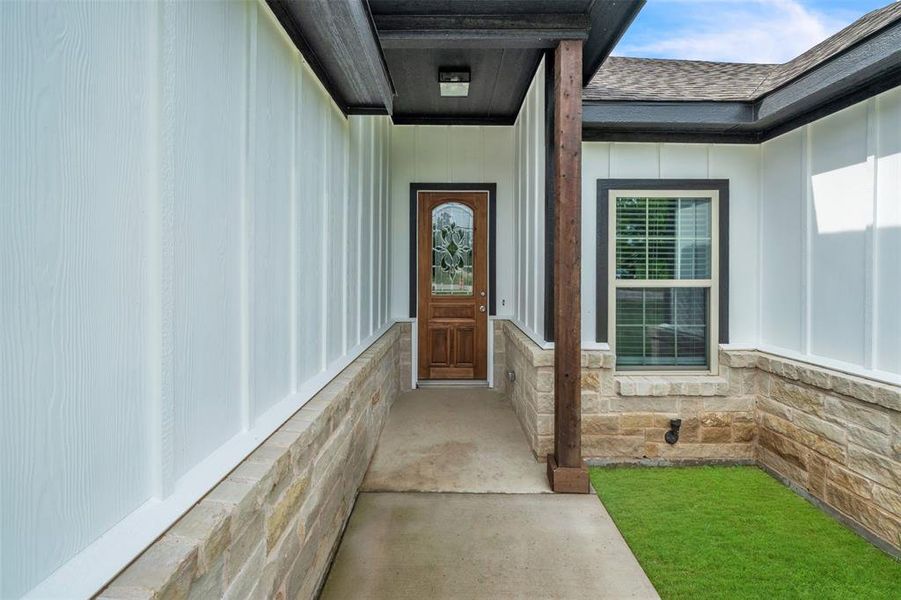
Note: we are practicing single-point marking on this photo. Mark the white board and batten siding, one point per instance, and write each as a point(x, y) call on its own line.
point(449, 154)
point(830, 282)
point(529, 210)
point(193, 240)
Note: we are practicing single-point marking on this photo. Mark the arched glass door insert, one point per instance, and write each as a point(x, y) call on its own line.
point(452, 250)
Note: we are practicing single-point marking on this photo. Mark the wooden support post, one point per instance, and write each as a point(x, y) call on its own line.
point(565, 469)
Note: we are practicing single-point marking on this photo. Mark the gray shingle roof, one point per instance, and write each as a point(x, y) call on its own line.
point(654, 79)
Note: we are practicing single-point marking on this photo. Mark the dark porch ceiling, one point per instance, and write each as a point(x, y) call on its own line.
point(384, 55)
point(500, 41)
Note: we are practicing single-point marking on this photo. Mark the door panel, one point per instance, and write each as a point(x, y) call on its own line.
point(439, 346)
point(452, 275)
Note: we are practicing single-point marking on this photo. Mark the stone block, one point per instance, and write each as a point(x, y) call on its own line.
point(784, 448)
point(854, 387)
point(544, 380)
point(210, 584)
point(244, 499)
point(887, 499)
point(637, 420)
point(852, 482)
point(625, 387)
point(669, 405)
point(244, 541)
point(693, 451)
point(880, 469)
point(815, 376)
point(871, 440)
point(545, 424)
point(716, 419)
point(545, 403)
point(600, 424)
point(690, 430)
point(740, 359)
point(208, 527)
point(716, 435)
point(743, 417)
point(284, 510)
point(816, 475)
point(821, 428)
point(244, 581)
point(729, 404)
point(590, 381)
point(655, 434)
point(887, 396)
point(785, 468)
point(166, 569)
point(866, 513)
point(774, 407)
point(592, 359)
point(849, 411)
point(592, 403)
point(612, 446)
point(800, 398)
point(744, 432)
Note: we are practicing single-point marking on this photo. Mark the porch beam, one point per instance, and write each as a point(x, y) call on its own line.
point(519, 31)
point(565, 469)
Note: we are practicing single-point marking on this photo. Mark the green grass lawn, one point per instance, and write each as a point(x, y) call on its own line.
point(735, 532)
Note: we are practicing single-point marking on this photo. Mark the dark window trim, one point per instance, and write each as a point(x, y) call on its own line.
point(602, 283)
point(491, 188)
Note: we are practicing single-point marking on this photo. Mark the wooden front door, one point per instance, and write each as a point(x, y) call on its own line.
point(452, 276)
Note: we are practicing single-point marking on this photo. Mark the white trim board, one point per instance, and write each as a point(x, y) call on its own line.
point(95, 566)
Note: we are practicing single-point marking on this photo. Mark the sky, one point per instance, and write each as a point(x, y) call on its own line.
point(759, 31)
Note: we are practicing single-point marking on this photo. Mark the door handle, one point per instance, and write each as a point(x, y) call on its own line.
point(482, 308)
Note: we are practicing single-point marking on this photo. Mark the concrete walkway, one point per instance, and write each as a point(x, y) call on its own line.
point(454, 441)
point(497, 534)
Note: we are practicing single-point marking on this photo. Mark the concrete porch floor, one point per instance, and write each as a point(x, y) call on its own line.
point(454, 505)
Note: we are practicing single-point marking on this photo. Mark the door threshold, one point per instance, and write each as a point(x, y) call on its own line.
point(452, 383)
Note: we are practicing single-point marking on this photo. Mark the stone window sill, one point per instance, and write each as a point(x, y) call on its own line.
point(671, 385)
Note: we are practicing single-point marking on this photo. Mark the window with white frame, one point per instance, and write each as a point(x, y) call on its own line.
point(664, 287)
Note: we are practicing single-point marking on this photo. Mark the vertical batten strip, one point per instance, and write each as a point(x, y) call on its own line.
point(292, 225)
point(247, 186)
point(160, 413)
point(326, 218)
point(383, 195)
point(167, 253)
point(871, 249)
point(358, 173)
point(758, 257)
point(344, 227)
point(370, 175)
point(388, 253)
point(806, 239)
point(377, 224)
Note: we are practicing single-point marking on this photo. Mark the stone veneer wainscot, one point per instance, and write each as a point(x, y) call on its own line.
point(270, 528)
point(833, 437)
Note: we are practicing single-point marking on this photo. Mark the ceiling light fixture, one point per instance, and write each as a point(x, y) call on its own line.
point(454, 83)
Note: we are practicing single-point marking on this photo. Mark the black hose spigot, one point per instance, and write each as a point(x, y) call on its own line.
point(672, 436)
